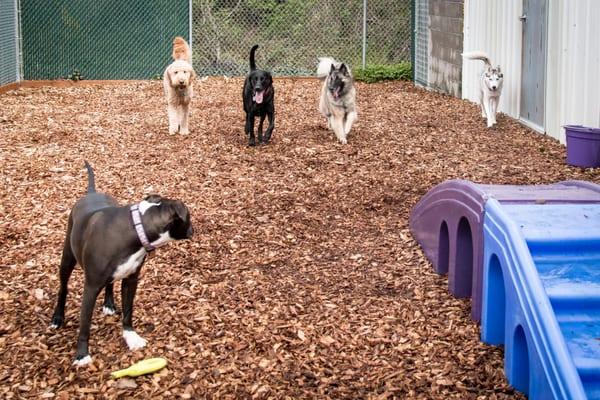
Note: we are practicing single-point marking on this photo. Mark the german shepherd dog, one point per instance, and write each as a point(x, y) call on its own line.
point(490, 86)
point(338, 97)
point(258, 96)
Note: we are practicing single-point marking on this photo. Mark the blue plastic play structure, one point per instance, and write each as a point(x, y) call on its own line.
point(541, 296)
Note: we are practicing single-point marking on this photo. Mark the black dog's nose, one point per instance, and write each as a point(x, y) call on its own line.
point(190, 232)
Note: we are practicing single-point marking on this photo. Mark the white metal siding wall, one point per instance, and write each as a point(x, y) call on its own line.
point(493, 26)
point(573, 70)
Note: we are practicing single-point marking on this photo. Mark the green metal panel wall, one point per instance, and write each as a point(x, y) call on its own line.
point(102, 39)
point(8, 42)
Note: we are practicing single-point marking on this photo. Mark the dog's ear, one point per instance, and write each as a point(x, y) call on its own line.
point(332, 68)
point(498, 70)
point(180, 210)
point(168, 75)
point(193, 74)
point(344, 69)
point(153, 198)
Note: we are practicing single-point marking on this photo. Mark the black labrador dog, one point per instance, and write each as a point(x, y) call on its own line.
point(258, 95)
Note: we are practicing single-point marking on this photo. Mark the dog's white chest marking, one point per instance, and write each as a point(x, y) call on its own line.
point(131, 265)
point(164, 238)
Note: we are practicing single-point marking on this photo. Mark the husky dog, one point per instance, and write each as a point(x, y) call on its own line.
point(338, 97)
point(490, 86)
point(178, 84)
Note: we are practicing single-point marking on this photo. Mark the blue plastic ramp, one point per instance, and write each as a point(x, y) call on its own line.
point(541, 296)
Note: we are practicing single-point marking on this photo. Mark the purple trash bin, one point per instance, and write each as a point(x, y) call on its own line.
point(583, 146)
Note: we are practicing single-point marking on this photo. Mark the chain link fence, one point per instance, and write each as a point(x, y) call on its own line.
point(9, 42)
point(116, 39)
point(421, 42)
point(293, 33)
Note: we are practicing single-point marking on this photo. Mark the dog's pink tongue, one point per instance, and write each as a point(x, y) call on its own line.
point(258, 97)
point(336, 93)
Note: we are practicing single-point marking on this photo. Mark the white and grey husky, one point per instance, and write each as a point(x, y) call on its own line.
point(338, 97)
point(490, 86)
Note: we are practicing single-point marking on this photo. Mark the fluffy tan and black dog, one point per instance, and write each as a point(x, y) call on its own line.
point(338, 97)
point(178, 83)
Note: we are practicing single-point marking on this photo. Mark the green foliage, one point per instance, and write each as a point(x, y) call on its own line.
point(376, 73)
point(75, 76)
point(292, 34)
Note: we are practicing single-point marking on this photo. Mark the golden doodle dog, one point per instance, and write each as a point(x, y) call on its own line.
point(178, 83)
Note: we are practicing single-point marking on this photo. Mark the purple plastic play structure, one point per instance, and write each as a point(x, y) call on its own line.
point(448, 224)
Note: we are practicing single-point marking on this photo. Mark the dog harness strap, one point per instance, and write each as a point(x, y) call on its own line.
point(136, 216)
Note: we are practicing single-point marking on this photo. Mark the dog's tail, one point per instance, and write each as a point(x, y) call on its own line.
point(252, 62)
point(324, 66)
point(181, 50)
point(91, 180)
point(478, 55)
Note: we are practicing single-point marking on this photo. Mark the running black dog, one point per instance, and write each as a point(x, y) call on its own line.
point(258, 95)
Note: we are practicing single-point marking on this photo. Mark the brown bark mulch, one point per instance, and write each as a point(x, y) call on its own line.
point(302, 280)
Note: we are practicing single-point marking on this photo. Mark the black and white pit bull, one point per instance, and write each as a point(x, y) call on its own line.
point(111, 242)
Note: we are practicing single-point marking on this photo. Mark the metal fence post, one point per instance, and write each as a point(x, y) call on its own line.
point(413, 30)
point(20, 76)
point(190, 27)
point(364, 38)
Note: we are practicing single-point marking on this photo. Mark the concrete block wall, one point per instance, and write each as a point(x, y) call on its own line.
point(446, 45)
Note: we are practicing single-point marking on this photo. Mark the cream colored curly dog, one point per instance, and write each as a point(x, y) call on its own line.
point(178, 83)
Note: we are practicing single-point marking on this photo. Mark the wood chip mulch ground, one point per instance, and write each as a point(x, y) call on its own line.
point(302, 280)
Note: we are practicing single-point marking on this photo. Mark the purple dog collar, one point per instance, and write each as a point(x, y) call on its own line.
point(136, 216)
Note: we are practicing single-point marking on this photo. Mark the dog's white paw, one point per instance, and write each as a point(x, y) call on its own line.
point(184, 132)
point(134, 341)
point(84, 361)
point(108, 310)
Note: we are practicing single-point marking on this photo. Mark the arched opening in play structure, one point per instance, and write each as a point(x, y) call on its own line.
point(443, 249)
point(519, 377)
point(464, 258)
point(495, 306)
